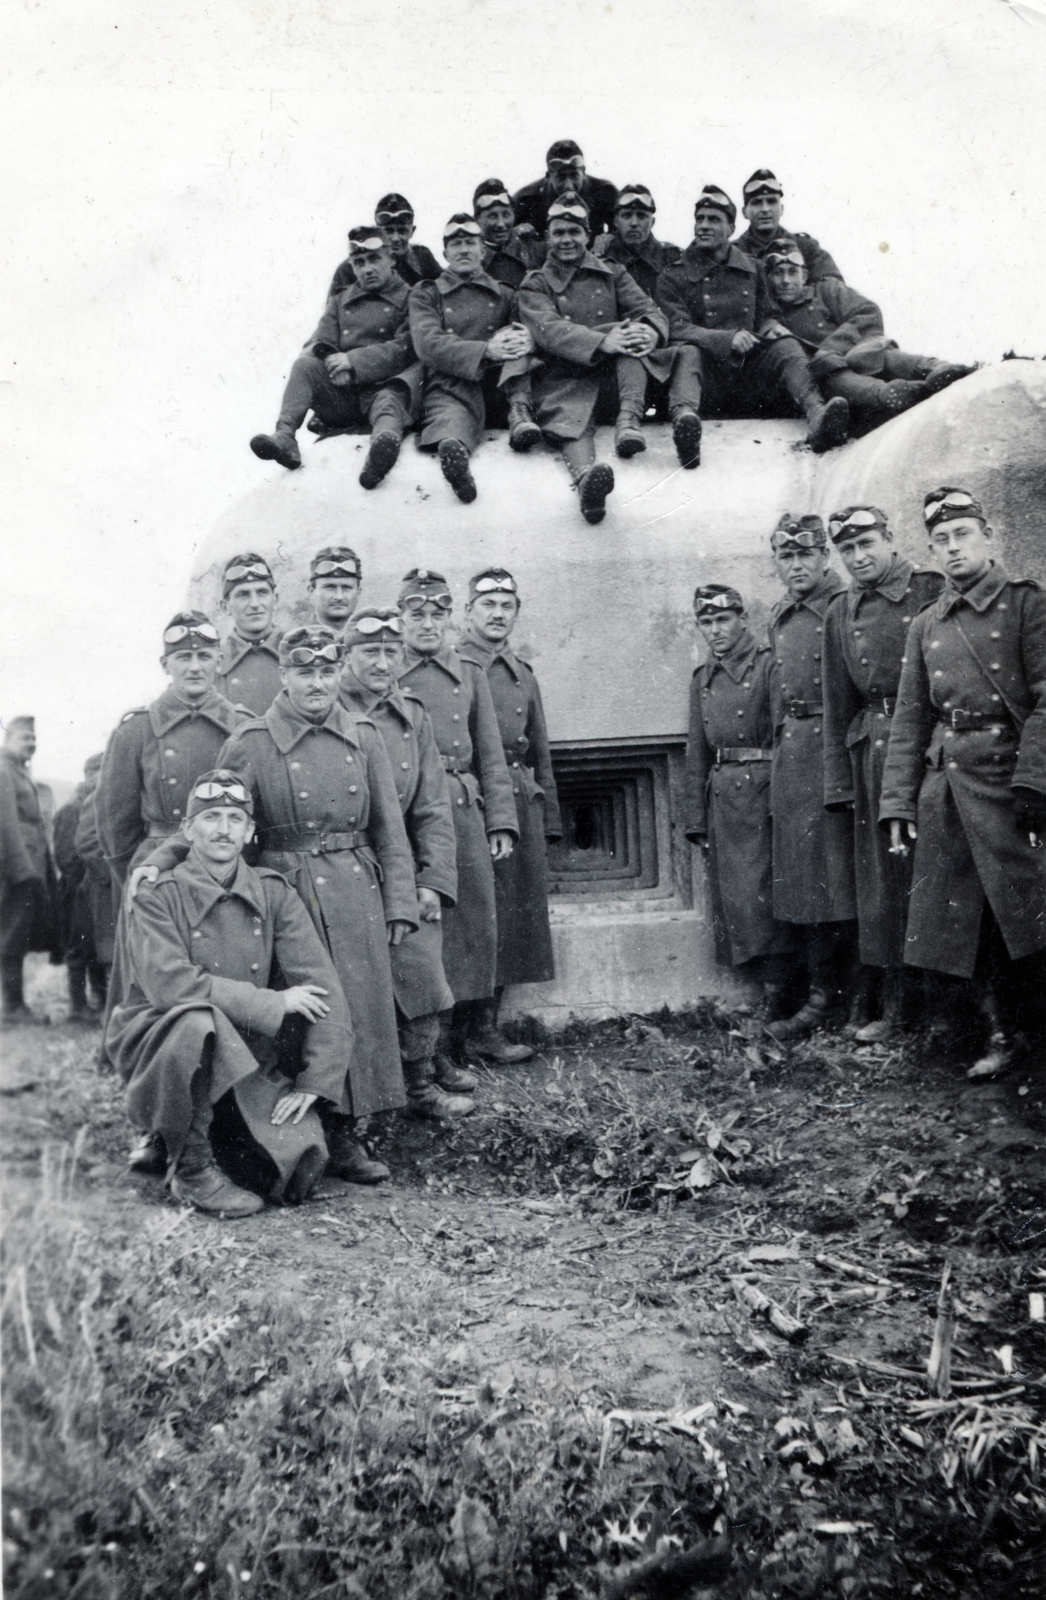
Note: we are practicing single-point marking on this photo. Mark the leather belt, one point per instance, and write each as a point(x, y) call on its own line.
point(290, 837)
point(803, 708)
point(887, 705)
point(456, 764)
point(966, 721)
point(741, 753)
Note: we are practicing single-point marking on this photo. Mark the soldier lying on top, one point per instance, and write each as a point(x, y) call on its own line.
point(464, 329)
point(564, 173)
point(762, 204)
point(508, 253)
point(358, 371)
point(842, 333)
point(716, 298)
point(394, 216)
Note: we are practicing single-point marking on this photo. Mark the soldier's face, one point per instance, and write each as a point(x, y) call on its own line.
point(334, 600)
point(566, 240)
point(493, 616)
point(312, 690)
point(721, 629)
point(868, 556)
point(250, 605)
point(378, 665)
point(191, 671)
point(399, 235)
point(788, 281)
point(373, 268)
point(963, 549)
point(22, 743)
point(464, 254)
point(496, 223)
point(764, 213)
point(711, 228)
point(634, 224)
point(564, 175)
point(424, 627)
point(801, 570)
point(218, 835)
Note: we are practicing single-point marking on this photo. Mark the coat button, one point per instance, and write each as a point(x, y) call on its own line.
point(303, 794)
point(455, 743)
point(176, 810)
point(456, 716)
point(406, 735)
point(461, 802)
point(296, 764)
point(197, 934)
point(405, 765)
point(174, 752)
point(996, 666)
point(353, 787)
point(254, 966)
point(172, 781)
point(314, 852)
point(457, 690)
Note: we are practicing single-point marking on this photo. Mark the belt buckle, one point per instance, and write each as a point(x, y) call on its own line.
point(954, 719)
point(797, 708)
point(718, 756)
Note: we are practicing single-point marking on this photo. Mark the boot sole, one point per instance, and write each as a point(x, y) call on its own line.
point(381, 458)
point(266, 449)
point(628, 447)
point(524, 438)
point(598, 483)
point(454, 463)
point(834, 428)
point(686, 436)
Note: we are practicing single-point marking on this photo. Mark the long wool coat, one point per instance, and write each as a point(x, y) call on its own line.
point(521, 881)
point(456, 695)
point(979, 656)
point(28, 888)
point(100, 887)
point(451, 321)
point(819, 263)
point(310, 781)
point(728, 799)
point(645, 264)
point(249, 672)
point(203, 962)
point(813, 848)
point(418, 979)
point(865, 631)
point(416, 263)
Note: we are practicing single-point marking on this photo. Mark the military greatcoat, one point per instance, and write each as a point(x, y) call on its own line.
point(819, 263)
point(971, 723)
point(531, 203)
point(328, 818)
point(100, 886)
point(456, 695)
point(451, 321)
point(28, 890)
point(415, 264)
point(569, 310)
point(728, 758)
point(812, 847)
point(418, 979)
point(864, 636)
point(645, 264)
point(521, 881)
point(509, 263)
point(249, 671)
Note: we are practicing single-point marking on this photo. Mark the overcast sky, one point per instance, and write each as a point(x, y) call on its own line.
point(178, 185)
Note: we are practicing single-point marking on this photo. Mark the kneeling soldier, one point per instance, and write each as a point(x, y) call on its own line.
point(762, 202)
point(370, 688)
point(249, 670)
point(966, 777)
point(508, 254)
point(864, 633)
point(394, 217)
point(357, 372)
point(464, 329)
point(221, 955)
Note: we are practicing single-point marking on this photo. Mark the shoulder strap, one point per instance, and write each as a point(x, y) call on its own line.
point(1019, 716)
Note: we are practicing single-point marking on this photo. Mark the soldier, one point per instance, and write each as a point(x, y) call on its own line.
point(394, 216)
point(370, 688)
point(762, 203)
point(631, 242)
point(583, 314)
point(848, 352)
point(965, 778)
point(357, 372)
point(728, 756)
point(456, 695)
point(100, 888)
point(28, 912)
point(83, 966)
point(521, 879)
point(717, 299)
point(864, 633)
point(222, 956)
point(508, 255)
point(812, 848)
point(335, 575)
point(565, 172)
point(249, 670)
point(465, 330)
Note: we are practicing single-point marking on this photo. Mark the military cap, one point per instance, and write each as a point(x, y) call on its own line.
point(715, 598)
point(852, 520)
point(335, 561)
point(372, 625)
point(190, 630)
point(783, 250)
point(20, 722)
point(491, 192)
point(635, 196)
point(461, 225)
point(569, 204)
point(712, 195)
point(948, 503)
point(762, 181)
point(219, 787)
point(93, 764)
point(393, 208)
point(301, 646)
point(423, 584)
point(492, 580)
point(368, 236)
point(799, 533)
point(563, 150)
point(246, 568)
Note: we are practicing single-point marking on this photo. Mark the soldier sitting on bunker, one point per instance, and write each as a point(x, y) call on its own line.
point(564, 173)
point(394, 217)
point(508, 252)
point(762, 203)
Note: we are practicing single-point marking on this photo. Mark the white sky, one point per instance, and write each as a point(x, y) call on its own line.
point(178, 185)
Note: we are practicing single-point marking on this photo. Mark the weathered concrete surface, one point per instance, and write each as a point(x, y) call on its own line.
point(606, 618)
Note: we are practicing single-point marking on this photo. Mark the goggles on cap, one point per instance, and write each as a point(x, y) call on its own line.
point(414, 602)
point(184, 630)
point(714, 198)
point(764, 186)
point(634, 197)
point(374, 242)
point(482, 201)
point(561, 163)
point(215, 788)
point(578, 212)
point(393, 217)
point(857, 520)
point(302, 655)
point(369, 625)
point(775, 257)
point(955, 500)
point(336, 569)
point(720, 601)
point(490, 584)
point(794, 534)
point(468, 228)
point(243, 574)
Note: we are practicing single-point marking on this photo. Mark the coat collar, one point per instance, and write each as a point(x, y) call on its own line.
point(360, 702)
point(236, 648)
point(817, 602)
point(200, 892)
point(737, 661)
point(166, 712)
point(750, 245)
point(561, 277)
point(697, 267)
point(395, 293)
point(15, 761)
point(445, 657)
point(894, 586)
point(288, 727)
point(448, 281)
point(483, 654)
point(980, 597)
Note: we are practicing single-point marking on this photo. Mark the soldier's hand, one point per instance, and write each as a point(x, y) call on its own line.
point(774, 330)
point(501, 845)
point(291, 1108)
point(897, 844)
point(508, 343)
point(339, 368)
point(398, 931)
point(303, 1000)
point(526, 230)
point(641, 338)
point(743, 341)
point(429, 905)
point(1030, 811)
point(138, 876)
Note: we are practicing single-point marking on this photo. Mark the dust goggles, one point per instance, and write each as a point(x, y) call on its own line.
point(567, 163)
point(393, 219)
point(796, 537)
point(467, 230)
point(482, 201)
point(489, 585)
point(414, 602)
point(302, 655)
point(245, 574)
point(635, 200)
point(371, 624)
point(953, 500)
point(216, 788)
point(717, 600)
point(578, 213)
point(763, 186)
point(180, 631)
point(776, 258)
point(336, 569)
point(359, 246)
point(854, 522)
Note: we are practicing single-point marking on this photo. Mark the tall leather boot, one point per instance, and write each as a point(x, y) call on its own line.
point(454, 464)
point(523, 431)
point(1003, 1049)
point(806, 1020)
point(198, 1180)
point(686, 436)
point(828, 423)
point(349, 1157)
point(79, 1010)
point(381, 457)
point(891, 1022)
point(426, 1099)
point(628, 434)
point(14, 1011)
point(771, 1007)
point(450, 1049)
point(485, 1041)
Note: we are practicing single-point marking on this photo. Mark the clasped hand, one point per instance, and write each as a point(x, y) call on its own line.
point(509, 343)
point(339, 368)
point(630, 339)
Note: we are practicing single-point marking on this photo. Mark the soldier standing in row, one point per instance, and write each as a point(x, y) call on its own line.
point(335, 575)
point(812, 848)
point(508, 255)
point(865, 629)
point(249, 669)
point(965, 779)
point(521, 879)
point(28, 891)
point(728, 758)
point(394, 218)
point(762, 203)
point(83, 966)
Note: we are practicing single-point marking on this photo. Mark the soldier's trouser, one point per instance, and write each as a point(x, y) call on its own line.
point(20, 909)
point(760, 383)
point(628, 386)
point(380, 410)
point(865, 393)
point(830, 955)
point(417, 1035)
point(1018, 987)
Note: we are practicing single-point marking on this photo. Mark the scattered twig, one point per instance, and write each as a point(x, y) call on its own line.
point(852, 1270)
point(761, 1305)
point(939, 1365)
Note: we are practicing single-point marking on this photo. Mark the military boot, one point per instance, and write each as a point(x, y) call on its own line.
point(485, 1041)
point(454, 463)
point(149, 1155)
point(523, 431)
point(686, 436)
point(891, 1023)
point(828, 424)
point(79, 1010)
point(628, 434)
point(771, 1007)
point(900, 394)
point(349, 1157)
point(943, 373)
point(425, 1098)
point(279, 446)
point(381, 458)
point(199, 1182)
point(593, 486)
point(1003, 1049)
point(806, 1020)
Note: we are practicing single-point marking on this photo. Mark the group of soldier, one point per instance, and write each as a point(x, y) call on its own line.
point(559, 309)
